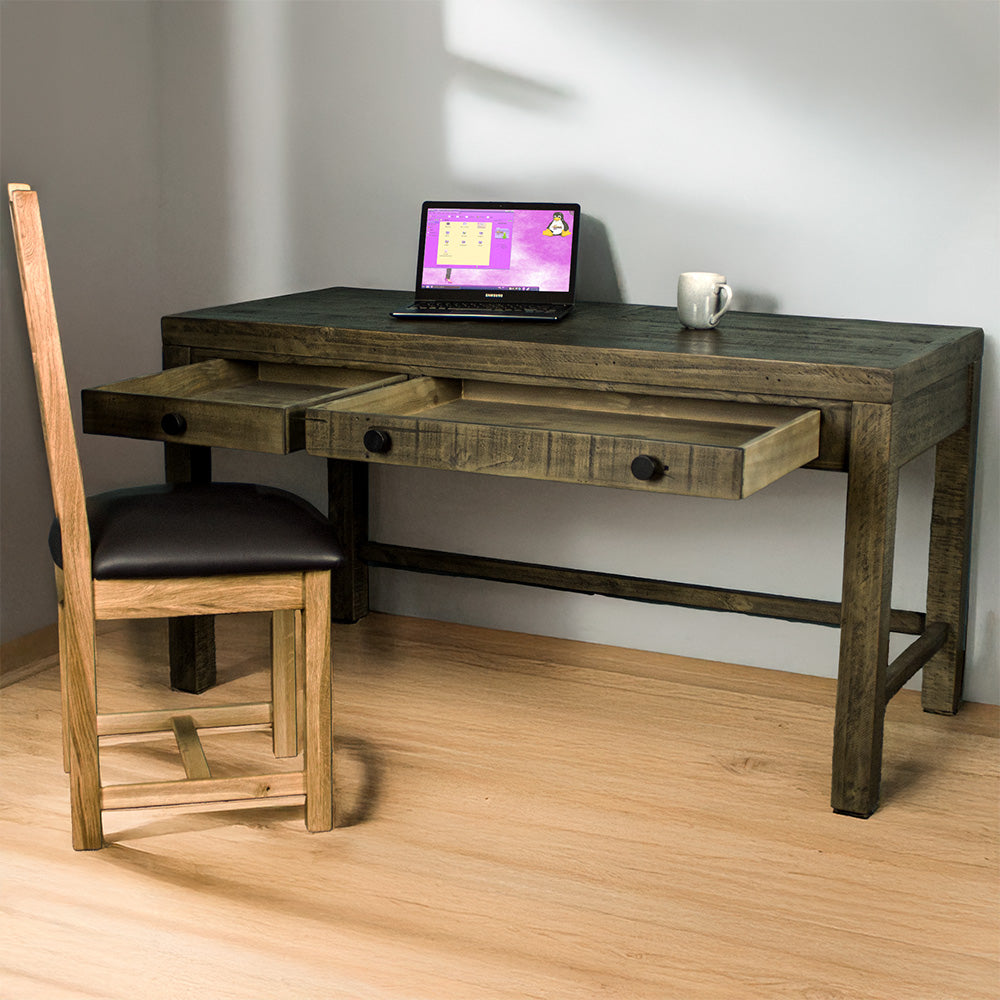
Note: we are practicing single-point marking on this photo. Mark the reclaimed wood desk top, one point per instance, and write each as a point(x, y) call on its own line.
point(610, 344)
point(884, 392)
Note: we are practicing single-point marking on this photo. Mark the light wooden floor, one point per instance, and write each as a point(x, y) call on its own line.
point(526, 818)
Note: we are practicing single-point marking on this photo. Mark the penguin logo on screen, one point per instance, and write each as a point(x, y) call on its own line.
point(558, 226)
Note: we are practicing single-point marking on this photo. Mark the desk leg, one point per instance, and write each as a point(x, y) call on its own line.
point(192, 640)
point(347, 488)
point(867, 589)
point(948, 562)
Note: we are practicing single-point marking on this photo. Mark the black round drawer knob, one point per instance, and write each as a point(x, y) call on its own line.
point(173, 423)
point(646, 467)
point(377, 441)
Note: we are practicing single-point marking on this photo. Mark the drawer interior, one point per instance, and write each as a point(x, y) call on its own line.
point(222, 403)
point(700, 446)
point(245, 383)
point(583, 412)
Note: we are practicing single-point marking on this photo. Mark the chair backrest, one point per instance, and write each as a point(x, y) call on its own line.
point(65, 475)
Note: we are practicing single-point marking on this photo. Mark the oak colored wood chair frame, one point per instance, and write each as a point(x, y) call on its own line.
point(300, 601)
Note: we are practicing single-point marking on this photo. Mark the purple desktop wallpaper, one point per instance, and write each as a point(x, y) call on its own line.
point(514, 249)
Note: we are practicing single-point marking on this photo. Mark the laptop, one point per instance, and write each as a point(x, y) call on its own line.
point(495, 260)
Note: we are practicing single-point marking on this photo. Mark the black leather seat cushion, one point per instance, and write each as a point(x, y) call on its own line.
point(203, 529)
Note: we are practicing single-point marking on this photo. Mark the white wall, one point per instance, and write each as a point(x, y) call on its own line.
point(832, 158)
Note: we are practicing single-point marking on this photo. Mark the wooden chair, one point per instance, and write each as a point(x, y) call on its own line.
point(177, 550)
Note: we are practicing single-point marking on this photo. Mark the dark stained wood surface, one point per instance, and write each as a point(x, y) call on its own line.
point(608, 343)
point(886, 392)
point(630, 588)
point(701, 448)
point(950, 556)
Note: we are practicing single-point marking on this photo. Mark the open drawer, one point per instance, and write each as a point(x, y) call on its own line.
point(225, 404)
point(695, 447)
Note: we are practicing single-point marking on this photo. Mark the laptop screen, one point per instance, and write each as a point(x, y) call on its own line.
point(517, 251)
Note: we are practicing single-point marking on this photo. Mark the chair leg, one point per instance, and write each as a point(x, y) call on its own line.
point(61, 627)
point(284, 688)
point(63, 686)
point(319, 703)
point(300, 676)
point(81, 723)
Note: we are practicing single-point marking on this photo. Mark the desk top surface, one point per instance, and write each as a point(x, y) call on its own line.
point(608, 343)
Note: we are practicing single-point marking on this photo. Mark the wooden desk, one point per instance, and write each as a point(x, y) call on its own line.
point(710, 413)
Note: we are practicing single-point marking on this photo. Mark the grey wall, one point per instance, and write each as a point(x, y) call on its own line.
point(76, 92)
point(832, 158)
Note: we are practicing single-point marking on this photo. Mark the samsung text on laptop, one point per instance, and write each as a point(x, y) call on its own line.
point(495, 260)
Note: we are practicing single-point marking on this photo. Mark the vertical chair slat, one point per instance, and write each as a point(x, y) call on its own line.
point(283, 685)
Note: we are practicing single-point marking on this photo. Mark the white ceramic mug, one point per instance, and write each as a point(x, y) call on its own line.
point(702, 298)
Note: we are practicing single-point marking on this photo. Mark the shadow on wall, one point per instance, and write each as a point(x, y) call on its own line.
point(550, 151)
point(753, 300)
point(597, 278)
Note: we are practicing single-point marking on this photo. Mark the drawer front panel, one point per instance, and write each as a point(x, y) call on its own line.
point(685, 447)
point(224, 404)
point(197, 423)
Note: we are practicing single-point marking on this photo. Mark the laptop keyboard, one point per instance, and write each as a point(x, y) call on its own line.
point(487, 308)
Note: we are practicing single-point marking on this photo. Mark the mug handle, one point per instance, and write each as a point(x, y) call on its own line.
point(725, 294)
